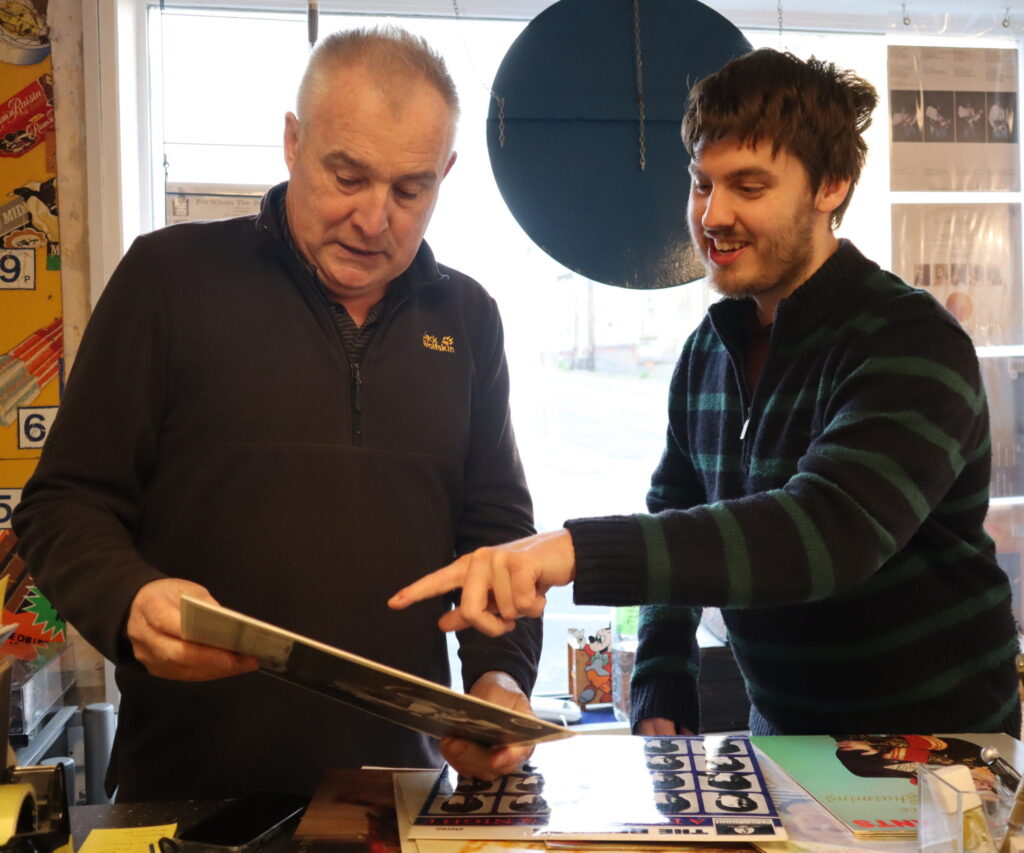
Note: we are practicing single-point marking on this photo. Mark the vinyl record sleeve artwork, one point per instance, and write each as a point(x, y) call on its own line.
point(654, 790)
point(953, 119)
point(399, 697)
point(968, 256)
point(869, 781)
point(564, 133)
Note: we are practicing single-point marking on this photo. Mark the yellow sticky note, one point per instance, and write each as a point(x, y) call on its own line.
point(132, 839)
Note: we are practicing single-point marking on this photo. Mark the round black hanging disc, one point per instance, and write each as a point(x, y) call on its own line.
point(565, 145)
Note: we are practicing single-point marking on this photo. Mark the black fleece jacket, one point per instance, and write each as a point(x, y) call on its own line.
point(212, 429)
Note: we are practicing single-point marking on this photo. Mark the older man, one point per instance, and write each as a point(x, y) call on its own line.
point(290, 414)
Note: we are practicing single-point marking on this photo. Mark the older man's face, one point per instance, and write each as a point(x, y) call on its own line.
point(365, 172)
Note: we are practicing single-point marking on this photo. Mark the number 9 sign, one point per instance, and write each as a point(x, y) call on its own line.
point(17, 269)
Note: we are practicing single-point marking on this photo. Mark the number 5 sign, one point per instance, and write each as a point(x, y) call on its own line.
point(34, 425)
point(9, 499)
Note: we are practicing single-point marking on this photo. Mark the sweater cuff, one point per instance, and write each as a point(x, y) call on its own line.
point(667, 696)
point(611, 560)
point(516, 653)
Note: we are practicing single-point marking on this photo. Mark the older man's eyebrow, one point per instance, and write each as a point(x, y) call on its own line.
point(340, 158)
point(426, 177)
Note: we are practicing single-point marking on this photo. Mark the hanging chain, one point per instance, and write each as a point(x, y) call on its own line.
point(312, 22)
point(906, 17)
point(501, 119)
point(497, 99)
point(640, 103)
point(779, 10)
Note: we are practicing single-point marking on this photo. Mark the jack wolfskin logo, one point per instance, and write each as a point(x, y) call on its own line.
point(445, 344)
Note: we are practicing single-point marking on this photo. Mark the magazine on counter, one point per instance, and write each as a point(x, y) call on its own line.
point(383, 691)
point(869, 782)
point(653, 790)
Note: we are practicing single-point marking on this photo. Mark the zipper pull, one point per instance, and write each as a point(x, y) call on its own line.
point(746, 423)
point(357, 383)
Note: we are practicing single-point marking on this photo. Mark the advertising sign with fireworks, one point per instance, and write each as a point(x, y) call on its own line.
point(31, 334)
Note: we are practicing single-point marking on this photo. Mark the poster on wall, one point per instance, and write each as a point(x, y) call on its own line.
point(1005, 524)
point(953, 119)
point(968, 256)
point(31, 334)
point(1003, 377)
point(195, 202)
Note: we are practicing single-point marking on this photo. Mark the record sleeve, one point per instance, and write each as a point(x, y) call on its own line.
point(383, 691)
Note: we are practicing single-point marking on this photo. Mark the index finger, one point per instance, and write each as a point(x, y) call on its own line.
point(436, 583)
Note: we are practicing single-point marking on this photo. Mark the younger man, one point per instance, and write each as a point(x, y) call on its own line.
point(826, 473)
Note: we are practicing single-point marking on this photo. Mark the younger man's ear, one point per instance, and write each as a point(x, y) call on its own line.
point(832, 193)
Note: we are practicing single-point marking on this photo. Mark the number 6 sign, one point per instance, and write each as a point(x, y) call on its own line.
point(34, 425)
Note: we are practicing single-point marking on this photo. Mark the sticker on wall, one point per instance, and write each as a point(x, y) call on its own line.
point(26, 370)
point(583, 133)
point(26, 117)
point(24, 35)
point(23, 605)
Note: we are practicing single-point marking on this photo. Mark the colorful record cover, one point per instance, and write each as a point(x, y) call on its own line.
point(869, 782)
point(675, 789)
point(351, 810)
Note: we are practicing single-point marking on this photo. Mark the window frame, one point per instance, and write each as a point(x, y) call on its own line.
point(126, 186)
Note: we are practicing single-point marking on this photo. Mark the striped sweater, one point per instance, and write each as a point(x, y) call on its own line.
point(834, 512)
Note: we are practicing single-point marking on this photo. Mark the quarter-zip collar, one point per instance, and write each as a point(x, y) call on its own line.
point(831, 287)
point(272, 221)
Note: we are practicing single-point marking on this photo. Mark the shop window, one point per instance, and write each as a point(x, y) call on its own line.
point(589, 363)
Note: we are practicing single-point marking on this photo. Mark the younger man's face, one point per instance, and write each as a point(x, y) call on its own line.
point(754, 219)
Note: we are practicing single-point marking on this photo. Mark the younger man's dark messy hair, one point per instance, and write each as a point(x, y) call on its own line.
point(812, 109)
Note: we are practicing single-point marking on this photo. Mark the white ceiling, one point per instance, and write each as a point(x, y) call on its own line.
point(927, 17)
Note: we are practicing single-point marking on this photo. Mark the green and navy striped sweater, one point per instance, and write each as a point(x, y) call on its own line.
point(834, 513)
